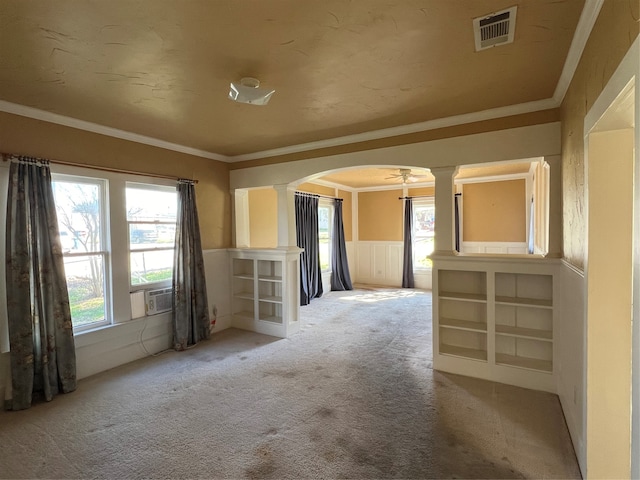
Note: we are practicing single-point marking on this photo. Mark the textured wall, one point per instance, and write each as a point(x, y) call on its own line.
point(263, 218)
point(26, 136)
point(494, 211)
point(380, 216)
point(614, 32)
point(347, 215)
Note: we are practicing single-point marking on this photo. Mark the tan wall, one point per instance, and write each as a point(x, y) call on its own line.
point(347, 214)
point(318, 189)
point(421, 191)
point(21, 135)
point(494, 211)
point(503, 123)
point(615, 30)
point(380, 216)
point(263, 218)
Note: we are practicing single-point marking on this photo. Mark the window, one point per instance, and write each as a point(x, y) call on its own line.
point(423, 231)
point(325, 225)
point(151, 219)
point(80, 207)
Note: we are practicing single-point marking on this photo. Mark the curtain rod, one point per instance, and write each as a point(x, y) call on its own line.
point(318, 195)
point(7, 157)
point(425, 196)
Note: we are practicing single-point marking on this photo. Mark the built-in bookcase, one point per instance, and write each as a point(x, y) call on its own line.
point(494, 318)
point(265, 298)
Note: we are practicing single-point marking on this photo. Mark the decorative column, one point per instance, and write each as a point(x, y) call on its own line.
point(444, 222)
point(286, 216)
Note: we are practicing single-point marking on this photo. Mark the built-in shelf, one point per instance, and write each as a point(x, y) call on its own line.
point(465, 297)
point(265, 290)
point(524, 362)
point(244, 295)
point(495, 315)
point(472, 353)
point(521, 332)
point(263, 278)
point(271, 299)
point(529, 302)
point(463, 324)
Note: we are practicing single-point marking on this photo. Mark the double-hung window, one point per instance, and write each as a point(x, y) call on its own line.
point(151, 220)
point(81, 210)
point(423, 232)
point(325, 227)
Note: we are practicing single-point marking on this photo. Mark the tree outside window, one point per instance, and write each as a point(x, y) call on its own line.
point(80, 211)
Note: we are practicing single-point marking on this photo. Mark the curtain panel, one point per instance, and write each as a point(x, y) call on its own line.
point(456, 220)
point(340, 277)
point(190, 303)
point(407, 264)
point(42, 348)
point(307, 239)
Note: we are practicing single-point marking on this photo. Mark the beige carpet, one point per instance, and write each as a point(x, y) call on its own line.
point(352, 395)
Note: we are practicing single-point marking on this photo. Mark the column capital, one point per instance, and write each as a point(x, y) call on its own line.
point(444, 171)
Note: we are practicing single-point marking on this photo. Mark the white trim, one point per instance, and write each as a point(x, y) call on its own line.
point(587, 20)
point(50, 117)
point(325, 183)
point(493, 178)
point(491, 114)
point(583, 30)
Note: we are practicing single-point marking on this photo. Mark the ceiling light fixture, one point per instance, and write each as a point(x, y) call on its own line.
point(249, 91)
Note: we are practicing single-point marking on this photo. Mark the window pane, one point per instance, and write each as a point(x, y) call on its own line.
point(79, 214)
point(423, 232)
point(149, 205)
point(324, 237)
point(85, 283)
point(422, 248)
point(151, 235)
point(149, 267)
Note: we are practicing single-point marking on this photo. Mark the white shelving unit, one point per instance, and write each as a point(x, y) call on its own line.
point(265, 290)
point(463, 314)
point(494, 318)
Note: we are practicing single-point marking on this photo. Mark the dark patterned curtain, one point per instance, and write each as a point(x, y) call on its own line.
point(456, 220)
point(307, 238)
point(190, 304)
point(340, 278)
point(42, 349)
point(407, 265)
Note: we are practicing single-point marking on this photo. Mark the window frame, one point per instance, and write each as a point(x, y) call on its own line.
point(328, 204)
point(151, 187)
point(105, 250)
point(420, 202)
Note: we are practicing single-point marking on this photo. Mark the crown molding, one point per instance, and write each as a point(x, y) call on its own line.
point(587, 20)
point(491, 114)
point(58, 119)
point(583, 31)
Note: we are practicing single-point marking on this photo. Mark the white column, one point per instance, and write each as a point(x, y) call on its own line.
point(241, 218)
point(286, 216)
point(444, 234)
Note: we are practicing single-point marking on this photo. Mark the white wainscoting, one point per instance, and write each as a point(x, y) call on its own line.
point(495, 248)
point(379, 263)
point(216, 268)
point(570, 351)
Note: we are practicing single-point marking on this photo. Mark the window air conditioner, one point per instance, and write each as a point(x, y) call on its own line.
point(158, 301)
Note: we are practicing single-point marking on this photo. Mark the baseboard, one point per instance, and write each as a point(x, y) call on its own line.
point(222, 323)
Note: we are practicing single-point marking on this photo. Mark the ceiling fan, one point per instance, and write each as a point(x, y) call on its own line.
point(406, 176)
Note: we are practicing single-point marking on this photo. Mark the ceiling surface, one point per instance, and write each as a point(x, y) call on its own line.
point(384, 177)
point(162, 68)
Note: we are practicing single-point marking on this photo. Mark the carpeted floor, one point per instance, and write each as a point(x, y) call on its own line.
point(353, 395)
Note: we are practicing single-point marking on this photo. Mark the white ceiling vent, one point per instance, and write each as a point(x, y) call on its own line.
point(494, 29)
